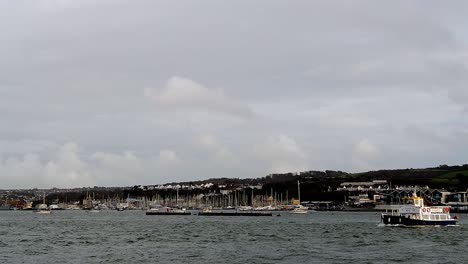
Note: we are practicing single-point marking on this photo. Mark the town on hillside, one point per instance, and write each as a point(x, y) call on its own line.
point(319, 190)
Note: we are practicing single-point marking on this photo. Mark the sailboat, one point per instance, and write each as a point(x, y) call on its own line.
point(42, 208)
point(299, 209)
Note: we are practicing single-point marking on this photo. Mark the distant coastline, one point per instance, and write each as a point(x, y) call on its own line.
point(321, 190)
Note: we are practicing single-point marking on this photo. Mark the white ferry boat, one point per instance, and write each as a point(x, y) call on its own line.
point(417, 214)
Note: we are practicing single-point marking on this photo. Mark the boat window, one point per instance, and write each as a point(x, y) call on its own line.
point(425, 217)
point(443, 217)
point(436, 217)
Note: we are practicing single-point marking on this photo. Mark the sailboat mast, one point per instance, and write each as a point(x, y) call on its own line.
point(299, 191)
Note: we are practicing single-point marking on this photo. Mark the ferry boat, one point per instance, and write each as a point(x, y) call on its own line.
point(417, 214)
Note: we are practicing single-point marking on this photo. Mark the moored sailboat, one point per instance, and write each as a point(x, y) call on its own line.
point(299, 209)
point(42, 208)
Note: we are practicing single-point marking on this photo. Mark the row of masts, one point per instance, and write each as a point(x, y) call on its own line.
point(236, 198)
point(233, 198)
point(217, 200)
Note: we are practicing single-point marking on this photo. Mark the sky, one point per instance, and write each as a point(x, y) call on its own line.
point(121, 93)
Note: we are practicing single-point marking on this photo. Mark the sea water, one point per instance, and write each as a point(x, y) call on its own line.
point(133, 237)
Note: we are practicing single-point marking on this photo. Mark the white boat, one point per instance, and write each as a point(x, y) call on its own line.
point(206, 210)
point(166, 209)
point(245, 208)
point(102, 207)
point(96, 209)
point(178, 210)
point(416, 213)
point(266, 208)
point(42, 208)
point(299, 210)
point(42, 211)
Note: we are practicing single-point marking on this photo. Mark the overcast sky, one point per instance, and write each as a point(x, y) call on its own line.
point(118, 93)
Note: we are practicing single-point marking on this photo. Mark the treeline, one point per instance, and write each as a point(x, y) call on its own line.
point(315, 185)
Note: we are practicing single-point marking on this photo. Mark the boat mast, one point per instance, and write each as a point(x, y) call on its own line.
point(252, 199)
point(299, 191)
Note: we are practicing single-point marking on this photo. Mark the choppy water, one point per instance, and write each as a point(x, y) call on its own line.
point(133, 237)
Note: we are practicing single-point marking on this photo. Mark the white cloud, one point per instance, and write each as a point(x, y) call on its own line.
point(208, 142)
point(184, 93)
point(65, 169)
point(70, 166)
point(167, 157)
point(117, 169)
point(282, 153)
point(364, 154)
point(218, 152)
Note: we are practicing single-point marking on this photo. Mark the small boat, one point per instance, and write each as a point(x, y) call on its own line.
point(95, 209)
point(245, 208)
point(300, 209)
point(42, 208)
point(417, 214)
point(207, 210)
point(266, 208)
point(42, 211)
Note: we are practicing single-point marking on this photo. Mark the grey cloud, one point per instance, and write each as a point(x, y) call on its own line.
point(334, 78)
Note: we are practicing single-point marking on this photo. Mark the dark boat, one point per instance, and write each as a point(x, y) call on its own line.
point(417, 214)
point(235, 214)
point(167, 213)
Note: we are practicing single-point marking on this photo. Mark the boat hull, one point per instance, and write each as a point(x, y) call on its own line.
point(42, 212)
point(399, 220)
point(298, 212)
point(167, 213)
point(234, 214)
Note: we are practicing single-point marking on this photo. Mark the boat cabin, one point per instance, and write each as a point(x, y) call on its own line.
point(414, 208)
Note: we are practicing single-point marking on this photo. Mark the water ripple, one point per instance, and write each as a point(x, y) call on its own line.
point(133, 237)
